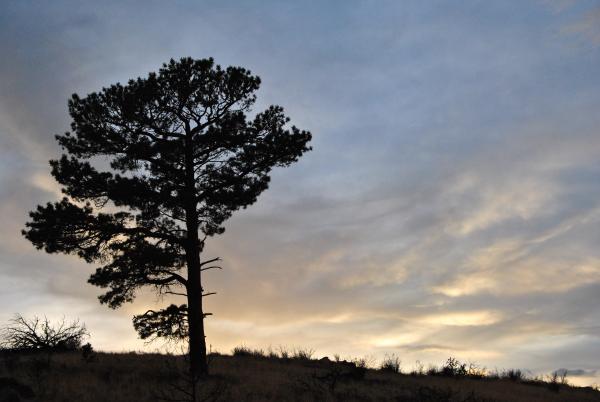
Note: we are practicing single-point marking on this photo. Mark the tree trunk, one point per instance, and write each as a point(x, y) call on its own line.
point(197, 341)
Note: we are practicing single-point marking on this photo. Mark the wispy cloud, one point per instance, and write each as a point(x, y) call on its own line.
point(450, 205)
point(586, 27)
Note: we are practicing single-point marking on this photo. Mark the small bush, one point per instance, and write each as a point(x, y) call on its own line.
point(248, 352)
point(556, 379)
point(432, 370)
point(40, 334)
point(390, 363)
point(358, 368)
point(553, 382)
point(419, 369)
point(303, 354)
point(562, 376)
point(453, 368)
point(475, 371)
point(88, 354)
point(513, 375)
point(271, 354)
point(284, 353)
point(241, 351)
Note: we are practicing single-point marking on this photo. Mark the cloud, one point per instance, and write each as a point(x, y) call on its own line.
point(583, 19)
point(575, 372)
point(468, 318)
point(586, 27)
point(450, 205)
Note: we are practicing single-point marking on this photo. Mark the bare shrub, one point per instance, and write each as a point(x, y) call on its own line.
point(453, 367)
point(303, 354)
point(513, 375)
point(419, 369)
point(476, 371)
point(41, 334)
point(556, 379)
point(284, 353)
point(390, 363)
point(243, 350)
point(432, 370)
point(359, 368)
point(271, 354)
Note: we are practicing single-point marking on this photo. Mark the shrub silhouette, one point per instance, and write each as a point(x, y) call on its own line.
point(453, 368)
point(513, 375)
point(303, 354)
point(243, 350)
point(41, 334)
point(88, 354)
point(390, 363)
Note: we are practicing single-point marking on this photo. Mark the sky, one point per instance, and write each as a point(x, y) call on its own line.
point(450, 205)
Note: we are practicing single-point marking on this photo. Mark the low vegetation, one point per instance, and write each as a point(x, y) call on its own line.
point(263, 375)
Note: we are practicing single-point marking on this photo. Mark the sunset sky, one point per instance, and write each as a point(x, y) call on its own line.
point(450, 207)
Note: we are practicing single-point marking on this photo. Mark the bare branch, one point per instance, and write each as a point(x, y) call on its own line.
point(168, 292)
point(173, 276)
point(211, 267)
point(209, 261)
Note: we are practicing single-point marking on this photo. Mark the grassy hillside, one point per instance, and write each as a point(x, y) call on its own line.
point(152, 377)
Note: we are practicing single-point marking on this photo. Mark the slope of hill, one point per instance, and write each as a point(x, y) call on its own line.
point(151, 377)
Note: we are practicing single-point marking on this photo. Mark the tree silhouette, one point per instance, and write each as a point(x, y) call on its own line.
point(152, 169)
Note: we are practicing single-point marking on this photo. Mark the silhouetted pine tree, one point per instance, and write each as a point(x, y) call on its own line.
point(152, 169)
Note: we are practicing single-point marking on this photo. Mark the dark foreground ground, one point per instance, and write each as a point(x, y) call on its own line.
point(154, 377)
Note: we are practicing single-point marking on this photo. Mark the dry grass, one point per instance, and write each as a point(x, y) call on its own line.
point(149, 377)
